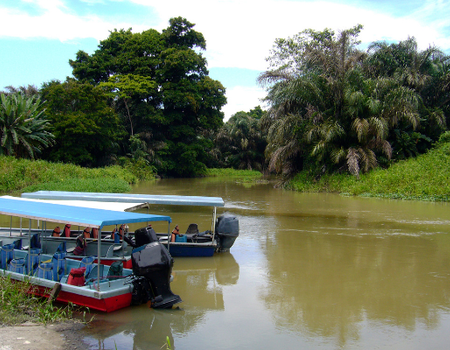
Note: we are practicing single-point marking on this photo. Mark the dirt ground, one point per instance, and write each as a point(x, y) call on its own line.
point(30, 336)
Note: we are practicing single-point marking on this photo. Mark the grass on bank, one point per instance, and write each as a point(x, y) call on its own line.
point(426, 178)
point(31, 175)
point(17, 305)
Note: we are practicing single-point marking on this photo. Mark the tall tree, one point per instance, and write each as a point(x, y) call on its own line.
point(180, 104)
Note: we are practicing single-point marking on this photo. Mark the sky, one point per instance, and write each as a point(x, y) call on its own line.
point(39, 37)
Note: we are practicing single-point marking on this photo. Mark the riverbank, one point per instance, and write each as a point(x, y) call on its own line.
point(23, 175)
point(32, 336)
point(424, 178)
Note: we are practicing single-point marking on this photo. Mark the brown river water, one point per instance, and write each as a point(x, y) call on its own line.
point(308, 271)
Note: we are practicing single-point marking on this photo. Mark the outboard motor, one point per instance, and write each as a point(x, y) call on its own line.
point(227, 230)
point(152, 266)
point(144, 236)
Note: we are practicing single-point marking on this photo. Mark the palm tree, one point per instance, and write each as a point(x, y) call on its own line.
point(23, 127)
point(420, 76)
point(328, 108)
point(242, 142)
point(285, 149)
point(310, 94)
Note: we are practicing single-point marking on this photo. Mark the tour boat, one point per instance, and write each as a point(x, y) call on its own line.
point(221, 237)
point(112, 249)
point(88, 282)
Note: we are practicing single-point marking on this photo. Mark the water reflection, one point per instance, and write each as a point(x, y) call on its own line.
point(330, 283)
point(200, 279)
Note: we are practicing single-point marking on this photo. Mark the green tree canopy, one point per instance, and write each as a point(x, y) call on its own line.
point(85, 127)
point(241, 142)
point(162, 89)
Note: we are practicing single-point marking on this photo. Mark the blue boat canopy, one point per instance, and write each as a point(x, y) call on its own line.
point(128, 198)
point(72, 215)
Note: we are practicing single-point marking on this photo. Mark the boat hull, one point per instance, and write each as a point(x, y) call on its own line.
point(105, 301)
point(105, 305)
point(191, 250)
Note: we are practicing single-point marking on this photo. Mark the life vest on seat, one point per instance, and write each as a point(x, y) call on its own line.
point(81, 244)
point(86, 233)
point(67, 230)
point(56, 232)
point(76, 276)
point(94, 233)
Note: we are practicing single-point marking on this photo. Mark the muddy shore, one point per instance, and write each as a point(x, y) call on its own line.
point(32, 336)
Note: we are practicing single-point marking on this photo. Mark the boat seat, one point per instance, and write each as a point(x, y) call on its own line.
point(17, 265)
point(6, 255)
point(93, 275)
point(113, 248)
point(59, 262)
point(192, 229)
point(32, 262)
point(115, 271)
point(88, 263)
point(45, 270)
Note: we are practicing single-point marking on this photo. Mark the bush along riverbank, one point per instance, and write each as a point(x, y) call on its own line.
point(425, 178)
point(22, 175)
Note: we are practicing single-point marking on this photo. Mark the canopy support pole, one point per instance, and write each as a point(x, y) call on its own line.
point(99, 250)
point(214, 223)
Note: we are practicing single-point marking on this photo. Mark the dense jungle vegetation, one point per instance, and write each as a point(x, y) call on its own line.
point(145, 100)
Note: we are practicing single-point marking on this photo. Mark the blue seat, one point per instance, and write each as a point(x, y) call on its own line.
point(88, 263)
point(59, 262)
point(45, 270)
point(18, 244)
point(35, 242)
point(6, 255)
point(32, 261)
point(62, 248)
point(17, 265)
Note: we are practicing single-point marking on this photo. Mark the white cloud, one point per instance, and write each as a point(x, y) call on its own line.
point(56, 21)
point(242, 98)
point(239, 33)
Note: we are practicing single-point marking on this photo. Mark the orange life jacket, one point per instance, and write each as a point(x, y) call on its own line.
point(56, 232)
point(67, 230)
point(86, 233)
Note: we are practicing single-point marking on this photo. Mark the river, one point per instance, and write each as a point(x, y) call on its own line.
point(308, 271)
